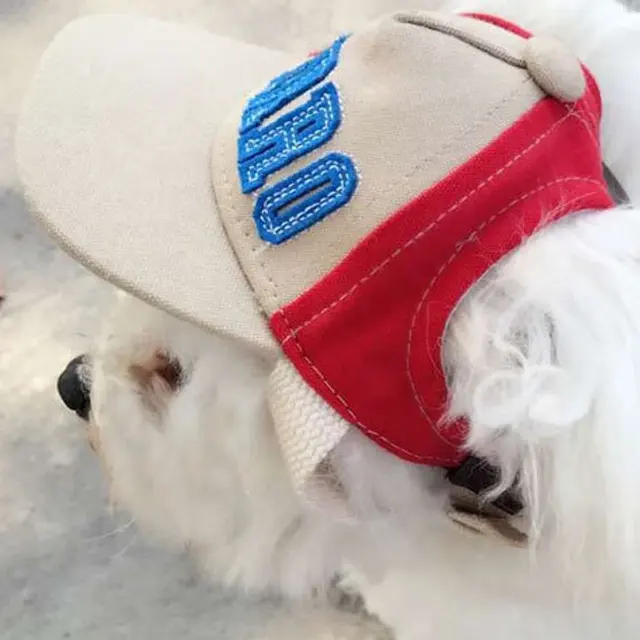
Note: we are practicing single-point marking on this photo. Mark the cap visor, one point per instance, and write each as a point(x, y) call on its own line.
point(113, 150)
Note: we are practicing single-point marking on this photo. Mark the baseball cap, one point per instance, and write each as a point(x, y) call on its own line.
point(330, 210)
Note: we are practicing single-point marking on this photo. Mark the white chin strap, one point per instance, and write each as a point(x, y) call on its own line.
point(308, 430)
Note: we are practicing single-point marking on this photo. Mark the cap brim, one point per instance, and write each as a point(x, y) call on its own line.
point(113, 150)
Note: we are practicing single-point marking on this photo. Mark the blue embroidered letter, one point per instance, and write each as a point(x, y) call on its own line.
point(264, 150)
point(299, 201)
point(290, 85)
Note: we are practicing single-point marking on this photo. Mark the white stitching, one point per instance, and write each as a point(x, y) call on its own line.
point(435, 153)
point(311, 110)
point(293, 144)
point(310, 209)
point(573, 112)
point(589, 109)
point(584, 109)
point(301, 181)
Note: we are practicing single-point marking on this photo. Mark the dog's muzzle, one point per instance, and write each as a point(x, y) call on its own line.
point(74, 387)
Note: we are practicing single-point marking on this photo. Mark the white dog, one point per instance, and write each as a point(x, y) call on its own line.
point(543, 362)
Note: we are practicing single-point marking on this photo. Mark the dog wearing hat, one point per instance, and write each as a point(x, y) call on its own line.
point(378, 320)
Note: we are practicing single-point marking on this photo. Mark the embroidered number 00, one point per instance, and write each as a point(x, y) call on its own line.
point(299, 201)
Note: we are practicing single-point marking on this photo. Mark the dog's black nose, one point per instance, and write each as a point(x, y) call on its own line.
point(74, 388)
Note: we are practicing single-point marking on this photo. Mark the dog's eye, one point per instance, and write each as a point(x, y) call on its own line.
point(160, 368)
point(157, 379)
point(171, 372)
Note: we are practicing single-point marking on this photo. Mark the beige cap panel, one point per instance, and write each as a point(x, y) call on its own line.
point(417, 103)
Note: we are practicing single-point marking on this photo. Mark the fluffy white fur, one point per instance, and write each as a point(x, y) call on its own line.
point(544, 360)
point(546, 356)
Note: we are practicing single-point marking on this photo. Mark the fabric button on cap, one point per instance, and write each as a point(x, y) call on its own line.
point(555, 69)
